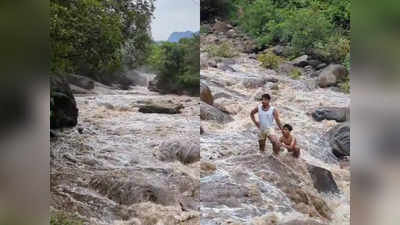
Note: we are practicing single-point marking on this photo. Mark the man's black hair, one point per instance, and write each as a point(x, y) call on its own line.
point(288, 126)
point(266, 96)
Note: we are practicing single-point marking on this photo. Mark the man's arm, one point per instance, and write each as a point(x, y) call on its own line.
point(278, 121)
point(253, 112)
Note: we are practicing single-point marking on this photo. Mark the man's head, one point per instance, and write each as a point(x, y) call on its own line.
point(287, 128)
point(265, 99)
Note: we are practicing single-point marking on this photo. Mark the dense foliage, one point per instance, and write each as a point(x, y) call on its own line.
point(302, 24)
point(212, 9)
point(97, 36)
point(177, 65)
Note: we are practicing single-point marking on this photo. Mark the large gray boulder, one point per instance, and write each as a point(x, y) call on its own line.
point(339, 139)
point(340, 114)
point(208, 112)
point(80, 81)
point(330, 75)
point(322, 179)
point(64, 112)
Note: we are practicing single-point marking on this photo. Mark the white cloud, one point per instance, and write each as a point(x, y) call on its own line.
point(175, 15)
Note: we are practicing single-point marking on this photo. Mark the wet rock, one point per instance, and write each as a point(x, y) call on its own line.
point(253, 82)
point(80, 81)
point(64, 111)
point(227, 106)
point(322, 179)
point(321, 66)
point(265, 220)
point(163, 109)
point(339, 139)
point(186, 151)
point(339, 114)
point(313, 62)
point(205, 94)
point(302, 222)
point(130, 187)
point(107, 105)
point(225, 67)
point(223, 193)
point(300, 61)
point(208, 112)
point(331, 75)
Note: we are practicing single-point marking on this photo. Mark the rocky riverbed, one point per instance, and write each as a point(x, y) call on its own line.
point(240, 186)
point(122, 166)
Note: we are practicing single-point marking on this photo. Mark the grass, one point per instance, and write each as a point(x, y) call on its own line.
point(63, 219)
point(345, 85)
point(225, 50)
point(295, 74)
point(269, 60)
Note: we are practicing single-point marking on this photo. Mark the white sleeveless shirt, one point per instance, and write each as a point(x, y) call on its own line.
point(266, 118)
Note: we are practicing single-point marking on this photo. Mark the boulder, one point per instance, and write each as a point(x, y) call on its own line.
point(339, 139)
point(340, 114)
point(203, 61)
point(227, 106)
point(208, 112)
point(225, 67)
point(313, 62)
point(330, 75)
point(185, 151)
point(300, 61)
point(302, 222)
point(164, 109)
point(201, 130)
point(221, 27)
point(322, 179)
point(285, 68)
point(205, 94)
point(80, 81)
point(64, 111)
point(131, 187)
point(252, 82)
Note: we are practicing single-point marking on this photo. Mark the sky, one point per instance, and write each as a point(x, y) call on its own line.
point(175, 16)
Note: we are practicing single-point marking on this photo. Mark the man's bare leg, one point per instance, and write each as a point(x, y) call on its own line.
point(295, 152)
point(275, 144)
point(261, 143)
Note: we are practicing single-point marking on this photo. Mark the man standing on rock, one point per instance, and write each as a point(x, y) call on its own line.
point(266, 116)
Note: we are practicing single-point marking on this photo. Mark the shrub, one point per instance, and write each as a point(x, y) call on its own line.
point(225, 50)
point(338, 48)
point(344, 85)
point(63, 219)
point(269, 60)
point(295, 74)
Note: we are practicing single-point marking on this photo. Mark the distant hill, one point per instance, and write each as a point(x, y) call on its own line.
point(176, 36)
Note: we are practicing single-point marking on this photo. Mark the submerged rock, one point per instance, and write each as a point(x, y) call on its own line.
point(186, 151)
